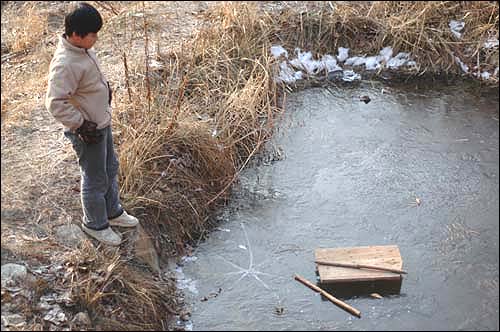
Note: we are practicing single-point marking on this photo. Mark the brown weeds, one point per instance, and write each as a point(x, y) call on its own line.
point(25, 31)
point(104, 284)
point(182, 156)
point(418, 27)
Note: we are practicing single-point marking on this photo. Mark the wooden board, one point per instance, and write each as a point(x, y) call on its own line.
point(383, 256)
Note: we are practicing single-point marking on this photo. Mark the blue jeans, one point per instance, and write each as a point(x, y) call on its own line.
point(99, 186)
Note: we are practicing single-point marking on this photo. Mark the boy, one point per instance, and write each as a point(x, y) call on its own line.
point(78, 96)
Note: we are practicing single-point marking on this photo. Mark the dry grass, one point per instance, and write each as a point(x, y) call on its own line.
point(418, 27)
point(185, 129)
point(24, 37)
point(211, 113)
point(102, 283)
point(24, 31)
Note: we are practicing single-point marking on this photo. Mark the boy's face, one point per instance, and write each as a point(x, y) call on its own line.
point(86, 42)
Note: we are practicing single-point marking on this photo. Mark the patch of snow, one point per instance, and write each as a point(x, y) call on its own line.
point(305, 61)
point(386, 53)
point(185, 283)
point(55, 315)
point(278, 50)
point(294, 69)
point(287, 74)
point(399, 60)
point(355, 61)
point(155, 64)
point(343, 54)
point(372, 63)
point(330, 63)
point(189, 259)
point(298, 75)
point(456, 27)
point(411, 64)
point(349, 76)
point(490, 43)
point(14, 272)
point(485, 75)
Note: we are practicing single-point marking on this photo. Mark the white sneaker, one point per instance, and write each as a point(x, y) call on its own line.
point(124, 220)
point(106, 236)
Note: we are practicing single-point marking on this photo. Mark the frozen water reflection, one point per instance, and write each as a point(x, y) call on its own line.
point(351, 176)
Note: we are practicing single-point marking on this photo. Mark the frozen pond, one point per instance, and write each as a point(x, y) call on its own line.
point(349, 174)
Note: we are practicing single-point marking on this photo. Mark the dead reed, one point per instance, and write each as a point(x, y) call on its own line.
point(213, 109)
point(101, 282)
point(419, 27)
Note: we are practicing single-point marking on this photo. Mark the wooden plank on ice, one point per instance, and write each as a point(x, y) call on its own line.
point(383, 256)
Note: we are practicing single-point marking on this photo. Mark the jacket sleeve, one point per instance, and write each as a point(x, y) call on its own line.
point(62, 84)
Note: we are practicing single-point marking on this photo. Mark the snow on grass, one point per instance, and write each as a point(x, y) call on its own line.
point(291, 70)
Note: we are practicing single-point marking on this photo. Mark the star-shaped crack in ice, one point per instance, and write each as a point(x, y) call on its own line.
point(251, 271)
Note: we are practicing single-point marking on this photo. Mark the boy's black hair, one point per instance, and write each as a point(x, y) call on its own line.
point(82, 20)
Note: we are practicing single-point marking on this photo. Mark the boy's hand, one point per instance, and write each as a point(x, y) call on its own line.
point(88, 132)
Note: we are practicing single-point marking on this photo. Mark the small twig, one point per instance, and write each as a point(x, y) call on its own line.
point(146, 45)
point(235, 176)
point(177, 106)
point(9, 56)
point(127, 81)
point(361, 266)
point(330, 297)
point(105, 5)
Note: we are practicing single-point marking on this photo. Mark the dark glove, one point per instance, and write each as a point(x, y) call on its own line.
point(88, 132)
point(110, 94)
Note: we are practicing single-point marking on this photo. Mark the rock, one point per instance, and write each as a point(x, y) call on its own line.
point(335, 75)
point(365, 99)
point(145, 250)
point(5, 48)
point(44, 305)
point(81, 319)
point(13, 320)
point(64, 298)
point(8, 306)
point(14, 272)
point(55, 315)
point(49, 299)
point(69, 235)
point(184, 316)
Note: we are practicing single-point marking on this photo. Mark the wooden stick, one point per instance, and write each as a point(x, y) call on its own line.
point(361, 266)
point(336, 301)
point(12, 55)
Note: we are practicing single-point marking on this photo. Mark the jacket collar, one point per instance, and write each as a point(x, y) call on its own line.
point(64, 43)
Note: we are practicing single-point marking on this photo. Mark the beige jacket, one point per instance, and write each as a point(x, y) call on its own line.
point(77, 89)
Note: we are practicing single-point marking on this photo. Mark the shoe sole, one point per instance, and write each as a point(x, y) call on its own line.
point(85, 230)
point(111, 223)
